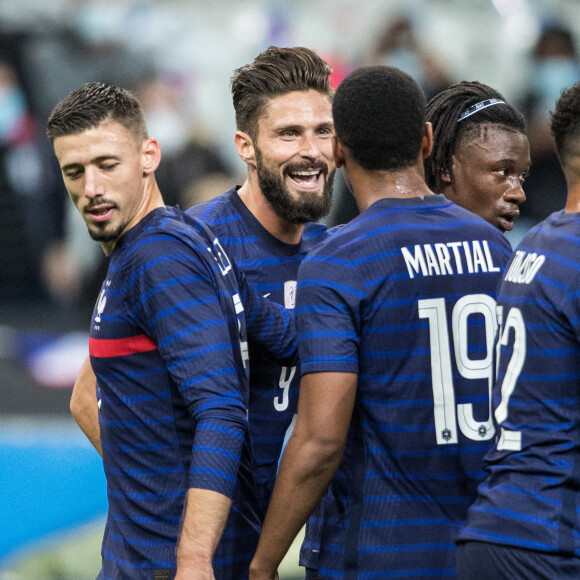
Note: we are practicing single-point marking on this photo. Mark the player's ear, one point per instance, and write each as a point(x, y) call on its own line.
point(151, 155)
point(427, 141)
point(245, 147)
point(338, 152)
point(445, 178)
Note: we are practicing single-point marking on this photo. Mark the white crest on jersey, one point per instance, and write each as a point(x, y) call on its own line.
point(100, 306)
point(290, 294)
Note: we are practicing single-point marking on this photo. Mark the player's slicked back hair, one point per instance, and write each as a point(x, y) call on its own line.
point(91, 105)
point(444, 111)
point(565, 124)
point(274, 72)
point(379, 115)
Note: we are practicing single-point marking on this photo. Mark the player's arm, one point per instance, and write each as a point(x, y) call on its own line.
point(311, 457)
point(204, 520)
point(271, 328)
point(83, 404)
point(192, 332)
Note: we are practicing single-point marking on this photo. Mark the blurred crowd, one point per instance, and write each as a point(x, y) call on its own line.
point(44, 254)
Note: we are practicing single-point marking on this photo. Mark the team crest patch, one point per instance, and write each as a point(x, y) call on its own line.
point(290, 294)
point(102, 300)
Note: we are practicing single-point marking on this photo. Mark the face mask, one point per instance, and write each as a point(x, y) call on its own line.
point(406, 60)
point(169, 128)
point(12, 109)
point(552, 76)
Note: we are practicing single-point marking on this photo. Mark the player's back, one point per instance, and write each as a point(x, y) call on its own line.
point(409, 287)
point(530, 498)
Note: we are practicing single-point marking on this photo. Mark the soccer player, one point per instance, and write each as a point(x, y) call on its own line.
point(171, 364)
point(525, 522)
point(396, 325)
point(481, 153)
point(284, 119)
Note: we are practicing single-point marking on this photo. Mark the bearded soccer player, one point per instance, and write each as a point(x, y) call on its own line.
point(284, 117)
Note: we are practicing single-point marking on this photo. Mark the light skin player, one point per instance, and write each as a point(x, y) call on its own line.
point(267, 225)
point(295, 127)
point(108, 170)
point(283, 111)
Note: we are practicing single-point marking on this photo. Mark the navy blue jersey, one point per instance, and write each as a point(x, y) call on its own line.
point(172, 370)
point(271, 266)
point(531, 496)
point(403, 296)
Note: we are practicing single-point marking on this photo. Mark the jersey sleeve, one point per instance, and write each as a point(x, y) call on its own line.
point(182, 312)
point(271, 327)
point(328, 313)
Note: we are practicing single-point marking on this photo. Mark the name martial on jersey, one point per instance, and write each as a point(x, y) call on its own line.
point(442, 259)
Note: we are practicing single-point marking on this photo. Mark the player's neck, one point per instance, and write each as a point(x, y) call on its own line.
point(371, 186)
point(573, 194)
point(261, 209)
point(150, 200)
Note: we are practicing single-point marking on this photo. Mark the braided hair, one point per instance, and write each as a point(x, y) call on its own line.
point(457, 114)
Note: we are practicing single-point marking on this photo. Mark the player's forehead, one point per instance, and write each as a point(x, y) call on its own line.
point(487, 141)
point(109, 138)
point(300, 107)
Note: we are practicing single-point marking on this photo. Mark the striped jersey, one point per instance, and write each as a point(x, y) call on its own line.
point(271, 266)
point(531, 496)
point(403, 296)
point(168, 346)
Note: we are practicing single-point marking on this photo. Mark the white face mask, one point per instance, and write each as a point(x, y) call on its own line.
point(168, 127)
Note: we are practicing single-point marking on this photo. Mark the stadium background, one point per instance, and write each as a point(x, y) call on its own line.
point(52, 488)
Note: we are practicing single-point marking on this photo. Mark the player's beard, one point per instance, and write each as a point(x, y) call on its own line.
point(310, 206)
point(105, 233)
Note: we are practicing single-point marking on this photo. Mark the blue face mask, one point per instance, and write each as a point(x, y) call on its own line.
point(12, 109)
point(406, 60)
point(552, 76)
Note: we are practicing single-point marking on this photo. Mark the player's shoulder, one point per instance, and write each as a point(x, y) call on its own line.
point(476, 228)
point(220, 206)
point(223, 214)
point(314, 233)
point(169, 230)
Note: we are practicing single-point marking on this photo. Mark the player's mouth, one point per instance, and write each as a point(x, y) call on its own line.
point(100, 213)
point(506, 220)
point(307, 179)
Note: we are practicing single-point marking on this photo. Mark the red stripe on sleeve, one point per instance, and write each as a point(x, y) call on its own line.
point(103, 348)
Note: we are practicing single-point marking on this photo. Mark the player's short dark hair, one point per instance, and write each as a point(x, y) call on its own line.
point(379, 115)
point(444, 111)
point(274, 72)
point(91, 105)
point(565, 124)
